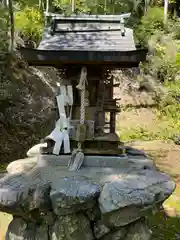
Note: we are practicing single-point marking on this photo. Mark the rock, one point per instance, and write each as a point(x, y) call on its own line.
point(177, 139)
point(72, 195)
point(136, 188)
point(19, 229)
point(139, 231)
point(22, 165)
point(71, 227)
point(35, 150)
point(48, 218)
point(40, 198)
point(27, 101)
point(42, 232)
point(16, 190)
point(126, 215)
point(117, 235)
point(135, 152)
point(131, 194)
point(100, 230)
point(94, 213)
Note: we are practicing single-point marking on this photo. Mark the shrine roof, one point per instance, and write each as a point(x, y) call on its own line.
point(87, 34)
point(91, 39)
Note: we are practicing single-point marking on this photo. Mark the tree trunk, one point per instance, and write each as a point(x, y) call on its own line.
point(178, 8)
point(47, 6)
point(11, 23)
point(166, 2)
point(73, 6)
point(41, 5)
point(145, 6)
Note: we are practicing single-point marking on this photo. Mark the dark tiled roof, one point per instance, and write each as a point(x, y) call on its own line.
point(89, 36)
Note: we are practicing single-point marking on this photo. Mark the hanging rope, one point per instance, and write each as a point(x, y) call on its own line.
point(77, 156)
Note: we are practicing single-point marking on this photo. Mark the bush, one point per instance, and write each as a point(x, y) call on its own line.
point(151, 23)
point(170, 106)
point(163, 60)
point(30, 23)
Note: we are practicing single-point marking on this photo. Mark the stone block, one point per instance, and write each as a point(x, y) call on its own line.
point(71, 227)
point(100, 229)
point(20, 229)
point(116, 235)
point(72, 195)
point(139, 231)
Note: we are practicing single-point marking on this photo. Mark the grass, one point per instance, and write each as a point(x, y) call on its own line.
point(166, 223)
point(166, 130)
point(164, 227)
point(3, 166)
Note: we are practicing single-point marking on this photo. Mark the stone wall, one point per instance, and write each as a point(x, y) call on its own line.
point(76, 227)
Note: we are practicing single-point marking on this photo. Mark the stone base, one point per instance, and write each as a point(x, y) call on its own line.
point(107, 199)
point(72, 227)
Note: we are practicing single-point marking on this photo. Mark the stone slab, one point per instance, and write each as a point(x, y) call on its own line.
point(70, 195)
point(137, 188)
point(134, 162)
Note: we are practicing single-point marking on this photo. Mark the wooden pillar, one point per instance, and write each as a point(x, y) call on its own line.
point(100, 114)
point(112, 122)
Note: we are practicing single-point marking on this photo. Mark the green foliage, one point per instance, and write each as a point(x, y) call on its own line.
point(65, 7)
point(3, 27)
point(30, 23)
point(176, 29)
point(95, 6)
point(178, 59)
point(163, 226)
point(136, 133)
point(163, 60)
point(170, 106)
point(151, 23)
point(166, 130)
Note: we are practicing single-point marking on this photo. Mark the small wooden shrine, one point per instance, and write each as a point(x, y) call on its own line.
point(87, 47)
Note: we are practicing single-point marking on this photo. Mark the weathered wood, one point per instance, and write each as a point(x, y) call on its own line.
point(100, 114)
point(97, 151)
point(81, 132)
point(114, 59)
point(89, 132)
point(81, 27)
point(112, 122)
point(85, 17)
